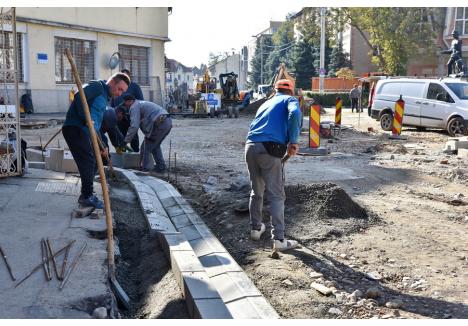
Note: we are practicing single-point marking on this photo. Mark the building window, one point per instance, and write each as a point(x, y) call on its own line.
point(7, 61)
point(83, 54)
point(135, 59)
point(461, 20)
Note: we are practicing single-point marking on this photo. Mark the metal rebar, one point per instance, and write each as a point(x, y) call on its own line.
point(45, 258)
point(36, 268)
point(169, 168)
point(70, 270)
point(42, 148)
point(54, 263)
point(7, 264)
point(175, 167)
point(65, 259)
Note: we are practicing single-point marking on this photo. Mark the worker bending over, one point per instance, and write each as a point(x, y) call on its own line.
point(274, 131)
point(77, 135)
point(155, 123)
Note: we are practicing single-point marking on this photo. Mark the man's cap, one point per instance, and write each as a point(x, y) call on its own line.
point(284, 84)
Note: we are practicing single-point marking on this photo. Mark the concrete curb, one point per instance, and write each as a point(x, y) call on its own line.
point(202, 298)
point(212, 282)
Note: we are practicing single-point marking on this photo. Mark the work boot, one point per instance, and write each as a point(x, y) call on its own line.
point(282, 245)
point(256, 234)
point(91, 201)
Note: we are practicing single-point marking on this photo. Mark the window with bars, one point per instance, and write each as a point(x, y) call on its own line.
point(83, 54)
point(135, 59)
point(7, 60)
point(461, 20)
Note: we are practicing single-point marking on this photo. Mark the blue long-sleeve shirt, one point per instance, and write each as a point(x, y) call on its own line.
point(97, 96)
point(277, 120)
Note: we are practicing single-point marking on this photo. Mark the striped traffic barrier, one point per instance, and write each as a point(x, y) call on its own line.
point(398, 118)
point(338, 106)
point(314, 126)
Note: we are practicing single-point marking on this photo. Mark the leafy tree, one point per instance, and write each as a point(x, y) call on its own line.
point(263, 42)
point(282, 50)
point(338, 59)
point(304, 64)
point(394, 34)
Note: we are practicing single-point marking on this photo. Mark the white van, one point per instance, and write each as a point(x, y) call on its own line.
point(433, 103)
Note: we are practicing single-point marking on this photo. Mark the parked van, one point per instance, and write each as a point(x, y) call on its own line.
point(432, 103)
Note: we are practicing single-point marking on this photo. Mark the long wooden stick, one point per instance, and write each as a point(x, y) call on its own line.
point(97, 154)
point(51, 253)
point(65, 260)
point(35, 269)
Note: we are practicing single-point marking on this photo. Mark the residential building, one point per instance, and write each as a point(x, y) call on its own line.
point(178, 74)
point(93, 35)
point(231, 63)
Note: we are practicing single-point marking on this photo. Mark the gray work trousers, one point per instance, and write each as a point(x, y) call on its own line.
point(266, 177)
point(152, 145)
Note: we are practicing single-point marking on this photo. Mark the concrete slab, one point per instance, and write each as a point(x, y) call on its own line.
point(210, 309)
point(36, 165)
point(252, 308)
point(190, 232)
point(203, 246)
point(174, 242)
point(463, 153)
point(181, 221)
point(219, 263)
point(234, 285)
point(27, 217)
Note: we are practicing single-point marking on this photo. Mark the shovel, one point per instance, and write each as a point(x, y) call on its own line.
point(119, 292)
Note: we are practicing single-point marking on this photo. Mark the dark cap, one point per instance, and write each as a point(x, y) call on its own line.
point(128, 97)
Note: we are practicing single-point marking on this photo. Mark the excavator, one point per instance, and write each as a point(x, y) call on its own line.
point(230, 94)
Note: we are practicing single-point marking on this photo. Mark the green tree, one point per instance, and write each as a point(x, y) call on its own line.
point(394, 34)
point(263, 42)
point(338, 59)
point(304, 65)
point(281, 51)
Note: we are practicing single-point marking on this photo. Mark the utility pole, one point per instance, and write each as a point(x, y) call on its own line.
point(261, 59)
point(322, 49)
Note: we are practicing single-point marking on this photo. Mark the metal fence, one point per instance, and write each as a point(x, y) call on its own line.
point(10, 134)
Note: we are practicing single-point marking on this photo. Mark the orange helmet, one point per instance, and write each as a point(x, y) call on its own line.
point(284, 84)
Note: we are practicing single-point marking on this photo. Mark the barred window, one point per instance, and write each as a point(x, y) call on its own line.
point(461, 20)
point(135, 59)
point(83, 54)
point(7, 61)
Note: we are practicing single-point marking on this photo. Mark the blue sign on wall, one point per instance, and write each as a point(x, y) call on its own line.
point(42, 58)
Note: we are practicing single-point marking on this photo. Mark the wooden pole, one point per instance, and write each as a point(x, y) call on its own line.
point(97, 154)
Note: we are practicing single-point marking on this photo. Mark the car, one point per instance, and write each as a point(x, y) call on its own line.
point(429, 103)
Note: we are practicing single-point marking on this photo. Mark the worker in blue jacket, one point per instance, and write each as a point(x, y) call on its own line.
point(77, 135)
point(273, 133)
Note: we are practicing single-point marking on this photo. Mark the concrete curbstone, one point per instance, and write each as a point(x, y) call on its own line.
point(234, 285)
point(197, 286)
point(219, 263)
point(252, 308)
point(190, 232)
point(181, 221)
point(184, 262)
point(203, 246)
point(210, 309)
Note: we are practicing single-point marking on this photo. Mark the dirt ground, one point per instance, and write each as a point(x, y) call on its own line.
point(382, 223)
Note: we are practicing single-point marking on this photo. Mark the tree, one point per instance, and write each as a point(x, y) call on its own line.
point(263, 42)
point(304, 65)
point(338, 59)
point(394, 34)
point(281, 51)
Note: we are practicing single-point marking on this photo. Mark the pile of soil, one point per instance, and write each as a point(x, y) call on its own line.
point(316, 212)
point(142, 269)
point(390, 148)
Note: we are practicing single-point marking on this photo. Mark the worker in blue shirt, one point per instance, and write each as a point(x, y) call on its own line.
point(273, 133)
point(77, 135)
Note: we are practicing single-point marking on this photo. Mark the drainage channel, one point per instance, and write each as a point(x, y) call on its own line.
point(142, 268)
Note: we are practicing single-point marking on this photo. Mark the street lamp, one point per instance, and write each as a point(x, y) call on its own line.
point(261, 56)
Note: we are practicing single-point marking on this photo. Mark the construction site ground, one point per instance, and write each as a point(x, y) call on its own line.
point(382, 223)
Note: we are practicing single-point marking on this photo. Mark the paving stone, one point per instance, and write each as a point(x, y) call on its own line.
point(196, 286)
point(174, 242)
point(203, 246)
point(211, 309)
point(234, 285)
point(219, 263)
point(184, 261)
point(190, 232)
point(181, 221)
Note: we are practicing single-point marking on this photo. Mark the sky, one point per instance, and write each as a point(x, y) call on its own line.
point(196, 30)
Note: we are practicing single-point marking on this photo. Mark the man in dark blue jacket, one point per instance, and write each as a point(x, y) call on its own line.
point(273, 133)
point(77, 135)
point(135, 90)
